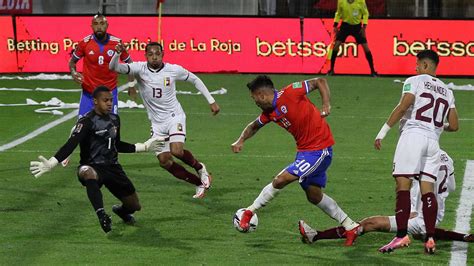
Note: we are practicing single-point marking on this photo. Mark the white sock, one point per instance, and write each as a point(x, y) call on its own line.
point(267, 194)
point(330, 207)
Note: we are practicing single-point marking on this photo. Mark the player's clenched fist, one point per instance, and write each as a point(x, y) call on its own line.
point(119, 48)
point(215, 108)
point(237, 146)
point(77, 77)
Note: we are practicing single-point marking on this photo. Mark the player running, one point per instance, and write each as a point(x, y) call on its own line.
point(157, 85)
point(445, 183)
point(291, 109)
point(425, 104)
point(98, 134)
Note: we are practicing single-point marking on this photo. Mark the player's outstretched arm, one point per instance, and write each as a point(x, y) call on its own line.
point(247, 133)
point(322, 85)
point(453, 121)
point(407, 100)
point(118, 67)
point(201, 87)
point(42, 166)
point(155, 144)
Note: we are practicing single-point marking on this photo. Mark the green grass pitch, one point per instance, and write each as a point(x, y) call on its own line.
point(50, 221)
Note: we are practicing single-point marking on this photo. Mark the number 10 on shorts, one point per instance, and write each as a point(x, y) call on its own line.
point(302, 165)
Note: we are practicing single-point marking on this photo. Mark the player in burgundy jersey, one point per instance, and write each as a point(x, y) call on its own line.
point(97, 50)
point(291, 109)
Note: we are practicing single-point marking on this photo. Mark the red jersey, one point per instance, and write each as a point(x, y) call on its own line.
point(294, 112)
point(97, 56)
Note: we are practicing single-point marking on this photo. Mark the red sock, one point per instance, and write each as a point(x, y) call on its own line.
point(430, 211)
point(402, 212)
point(189, 159)
point(181, 173)
point(442, 234)
point(333, 233)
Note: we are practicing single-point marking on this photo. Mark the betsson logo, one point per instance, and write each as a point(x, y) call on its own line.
point(444, 48)
point(304, 49)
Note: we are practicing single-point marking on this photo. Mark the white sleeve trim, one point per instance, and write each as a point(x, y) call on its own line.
point(306, 84)
point(74, 54)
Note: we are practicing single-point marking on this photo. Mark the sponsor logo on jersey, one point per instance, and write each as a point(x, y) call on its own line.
point(297, 85)
point(283, 109)
point(91, 52)
point(406, 87)
point(110, 52)
point(167, 81)
point(98, 132)
point(180, 127)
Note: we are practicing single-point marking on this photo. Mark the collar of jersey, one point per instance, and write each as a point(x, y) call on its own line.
point(275, 96)
point(99, 42)
point(157, 70)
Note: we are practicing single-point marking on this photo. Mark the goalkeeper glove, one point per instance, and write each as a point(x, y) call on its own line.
point(154, 144)
point(42, 166)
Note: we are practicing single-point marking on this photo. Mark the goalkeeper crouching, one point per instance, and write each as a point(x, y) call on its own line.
point(98, 134)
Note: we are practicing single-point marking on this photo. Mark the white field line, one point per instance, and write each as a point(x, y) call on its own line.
point(463, 216)
point(38, 131)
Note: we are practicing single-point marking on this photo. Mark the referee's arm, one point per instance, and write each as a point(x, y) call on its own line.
point(338, 15)
point(365, 15)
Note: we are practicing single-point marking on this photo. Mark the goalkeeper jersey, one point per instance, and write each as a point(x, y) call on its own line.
point(99, 139)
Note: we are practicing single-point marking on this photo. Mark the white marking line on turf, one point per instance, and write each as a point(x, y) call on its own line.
point(463, 216)
point(38, 131)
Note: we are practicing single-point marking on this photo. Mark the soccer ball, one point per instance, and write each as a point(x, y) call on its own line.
point(253, 222)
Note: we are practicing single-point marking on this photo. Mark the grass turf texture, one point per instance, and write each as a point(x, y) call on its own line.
point(50, 221)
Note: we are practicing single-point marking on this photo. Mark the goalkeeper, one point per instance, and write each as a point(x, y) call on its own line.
point(98, 134)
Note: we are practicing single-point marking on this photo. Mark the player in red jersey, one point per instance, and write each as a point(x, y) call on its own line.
point(291, 109)
point(97, 50)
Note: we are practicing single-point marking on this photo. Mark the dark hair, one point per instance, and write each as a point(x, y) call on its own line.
point(428, 54)
point(99, 15)
point(153, 44)
point(98, 90)
point(261, 81)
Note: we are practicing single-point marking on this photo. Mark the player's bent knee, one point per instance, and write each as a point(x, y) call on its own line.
point(279, 183)
point(86, 172)
point(166, 164)
point(133, 206)
point(165, 159)
point(179, 153)
point(315, 199)
point(138, 207)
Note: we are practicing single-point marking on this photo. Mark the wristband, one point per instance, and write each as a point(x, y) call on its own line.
point(383, 131)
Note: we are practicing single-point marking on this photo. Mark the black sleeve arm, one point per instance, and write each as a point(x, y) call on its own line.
point(80, 132)
point(123, 147)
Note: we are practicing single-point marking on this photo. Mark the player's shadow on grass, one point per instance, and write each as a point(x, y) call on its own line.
point(145, 233)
